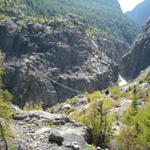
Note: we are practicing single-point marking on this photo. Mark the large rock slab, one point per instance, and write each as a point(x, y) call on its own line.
point(38, 116)
point(36, 133)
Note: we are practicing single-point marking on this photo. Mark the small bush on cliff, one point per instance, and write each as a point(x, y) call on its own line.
point(144, 78)
point(116, 92)
point(93, 96)
point(33, 106)
point(93, 31)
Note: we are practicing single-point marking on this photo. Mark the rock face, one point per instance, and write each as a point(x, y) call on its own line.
point(52, 60)
point(139, 57)
point(112, 47)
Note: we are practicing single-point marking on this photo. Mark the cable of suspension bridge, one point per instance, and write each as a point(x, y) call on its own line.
point(64, 86)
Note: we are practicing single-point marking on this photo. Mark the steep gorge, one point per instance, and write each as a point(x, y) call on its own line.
point(72, 63)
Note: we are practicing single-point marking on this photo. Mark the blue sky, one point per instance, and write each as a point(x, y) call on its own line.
point(128, 5)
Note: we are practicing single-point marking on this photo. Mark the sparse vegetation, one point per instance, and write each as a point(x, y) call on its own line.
point(133, 92)
point(33, 106)
point(73, 101)
point(5, 108)
point(116, 92)
point(93, 31)
point(90, 147)
point(97, 117)
point(93, 96)
point(136, 133)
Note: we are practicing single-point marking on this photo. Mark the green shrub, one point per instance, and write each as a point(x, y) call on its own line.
point(116, 92)
point(93, 96)
point(7, 96)
point(73, 101)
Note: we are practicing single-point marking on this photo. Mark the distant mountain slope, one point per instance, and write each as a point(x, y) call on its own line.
point(140, 13)
point(139, 57)
point(104, 14)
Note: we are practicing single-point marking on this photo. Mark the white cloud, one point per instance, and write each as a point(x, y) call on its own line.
point(128, 5)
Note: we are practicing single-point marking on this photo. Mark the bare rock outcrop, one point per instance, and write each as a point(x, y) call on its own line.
point(52, 60)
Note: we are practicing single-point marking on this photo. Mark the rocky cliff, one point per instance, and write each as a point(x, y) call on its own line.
point(112, 47)
point(52, 60)
point(139, 57)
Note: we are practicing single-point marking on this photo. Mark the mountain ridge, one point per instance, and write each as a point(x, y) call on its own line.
point(140, 13)
point(106, 15)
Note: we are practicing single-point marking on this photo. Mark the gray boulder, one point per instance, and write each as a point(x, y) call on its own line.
point(66, 137)
point(39, 131)
point(56, 137)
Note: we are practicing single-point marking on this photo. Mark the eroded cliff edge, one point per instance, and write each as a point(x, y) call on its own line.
point(43, 56)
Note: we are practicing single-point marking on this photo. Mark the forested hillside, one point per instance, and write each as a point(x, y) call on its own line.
point(103, 14)
point(12, 8)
